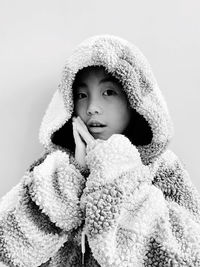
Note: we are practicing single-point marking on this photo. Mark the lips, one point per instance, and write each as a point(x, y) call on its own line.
point(95, 123)
point(96, 127)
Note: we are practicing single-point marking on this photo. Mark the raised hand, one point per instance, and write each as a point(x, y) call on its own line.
point(82, 138)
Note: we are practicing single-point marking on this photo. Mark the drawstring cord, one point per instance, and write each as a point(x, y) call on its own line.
point(83, 245)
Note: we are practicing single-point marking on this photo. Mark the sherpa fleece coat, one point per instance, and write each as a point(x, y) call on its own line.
point(134, 205)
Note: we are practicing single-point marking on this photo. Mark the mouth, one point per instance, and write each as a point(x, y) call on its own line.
point(96, 128)
point(94, 125)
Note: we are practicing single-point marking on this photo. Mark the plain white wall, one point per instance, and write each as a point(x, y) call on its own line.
point(36, 37)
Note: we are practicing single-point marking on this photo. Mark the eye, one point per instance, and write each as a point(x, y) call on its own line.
point(110, 92)
point(79, 95)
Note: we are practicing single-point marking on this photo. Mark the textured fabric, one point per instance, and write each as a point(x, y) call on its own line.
point(135, 203)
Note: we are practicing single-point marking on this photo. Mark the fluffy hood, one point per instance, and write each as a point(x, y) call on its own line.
point(126, 63)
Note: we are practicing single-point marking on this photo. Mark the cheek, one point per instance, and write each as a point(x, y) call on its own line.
point(125, 117)
point(78, 109)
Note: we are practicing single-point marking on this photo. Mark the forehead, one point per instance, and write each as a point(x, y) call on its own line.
point(97, 73)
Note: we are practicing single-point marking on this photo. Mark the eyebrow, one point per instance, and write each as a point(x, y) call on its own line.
point(104, 80)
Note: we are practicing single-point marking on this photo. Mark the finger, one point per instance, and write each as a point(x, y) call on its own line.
point(80, 149)
point(84, 128)
point(75, 132)
point(85, 133)
point(88, 138)
point(77, 137)
point(82, 123)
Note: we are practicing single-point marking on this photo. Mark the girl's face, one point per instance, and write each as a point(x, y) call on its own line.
point(98, 97)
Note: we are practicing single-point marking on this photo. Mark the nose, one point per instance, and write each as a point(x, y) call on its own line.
point(93, 108)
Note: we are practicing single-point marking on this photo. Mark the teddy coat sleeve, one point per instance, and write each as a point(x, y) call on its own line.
point(128, 220)
point(37, 214)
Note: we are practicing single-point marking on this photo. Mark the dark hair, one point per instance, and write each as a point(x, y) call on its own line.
point(138, 131)
point(63, 137)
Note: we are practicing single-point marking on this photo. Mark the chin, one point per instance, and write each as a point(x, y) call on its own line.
point(100, 136)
